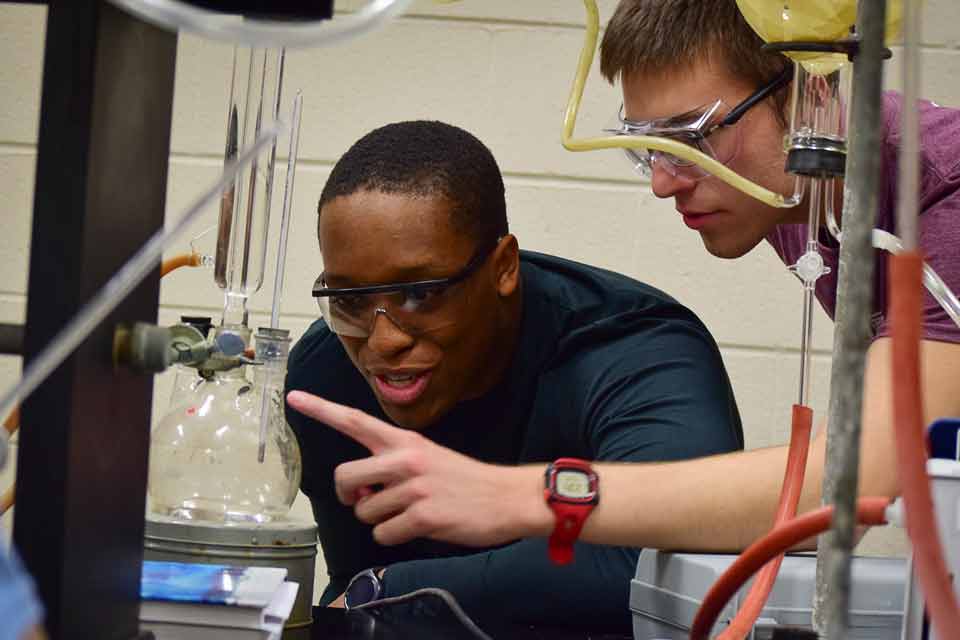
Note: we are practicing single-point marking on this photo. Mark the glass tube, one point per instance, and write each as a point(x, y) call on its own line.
point(819, 104)
point(833, 226)
point(809, 282)
point(817, 149)
point(124, 280)
point(245, 206)
point(272, 349)
point(285, 212)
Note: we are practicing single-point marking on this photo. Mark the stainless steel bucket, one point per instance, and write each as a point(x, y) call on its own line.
point(292, 545)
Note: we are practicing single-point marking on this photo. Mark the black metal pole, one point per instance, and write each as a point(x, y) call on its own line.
point(100, 189)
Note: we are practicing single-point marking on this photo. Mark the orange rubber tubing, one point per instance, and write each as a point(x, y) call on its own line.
point(12, 422)
point(6, 500)
point(906, 300)
point(800, 427)
point(182, 260)
point(870, 511)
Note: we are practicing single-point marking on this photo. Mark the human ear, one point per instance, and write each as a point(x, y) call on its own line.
point(506, 265)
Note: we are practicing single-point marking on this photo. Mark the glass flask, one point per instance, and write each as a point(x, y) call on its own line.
point(204, 451)
point(184, 381)
point(186, 378)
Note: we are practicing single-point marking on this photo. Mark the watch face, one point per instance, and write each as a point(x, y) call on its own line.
point(573, 484)
point(363, 588)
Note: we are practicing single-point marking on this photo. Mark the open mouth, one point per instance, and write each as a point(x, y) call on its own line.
point(401, 388)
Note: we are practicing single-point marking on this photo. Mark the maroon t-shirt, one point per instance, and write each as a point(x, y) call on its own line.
point(939, 218)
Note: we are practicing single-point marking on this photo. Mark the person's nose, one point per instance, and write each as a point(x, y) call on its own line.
point(387, 338)
point(667, 183)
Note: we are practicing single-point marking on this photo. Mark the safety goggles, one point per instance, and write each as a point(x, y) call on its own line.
point(703, 128)
point(414, 307)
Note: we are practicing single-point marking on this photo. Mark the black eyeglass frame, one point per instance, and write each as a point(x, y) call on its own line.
point(320, 291)
point(753, 100)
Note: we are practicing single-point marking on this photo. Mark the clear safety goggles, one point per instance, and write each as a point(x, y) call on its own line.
point(414, 307)
point(708, 129)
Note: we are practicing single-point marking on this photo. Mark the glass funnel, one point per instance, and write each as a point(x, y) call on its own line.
point(204, 451)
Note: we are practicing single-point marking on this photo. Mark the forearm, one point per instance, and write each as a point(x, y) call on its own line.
point(718, 503)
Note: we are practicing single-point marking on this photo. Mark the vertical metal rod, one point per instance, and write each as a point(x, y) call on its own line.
point(852, 332)
point(908, 192)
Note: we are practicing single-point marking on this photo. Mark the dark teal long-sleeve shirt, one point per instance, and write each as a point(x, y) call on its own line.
point(606, 368)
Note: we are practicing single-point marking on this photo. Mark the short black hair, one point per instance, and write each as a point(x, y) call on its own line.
point(427, 158)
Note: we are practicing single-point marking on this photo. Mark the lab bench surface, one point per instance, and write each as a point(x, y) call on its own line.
point(337, 624)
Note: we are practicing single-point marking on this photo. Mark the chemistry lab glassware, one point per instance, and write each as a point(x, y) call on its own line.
point(185, 381)
point(204, 452)
point(244, 221)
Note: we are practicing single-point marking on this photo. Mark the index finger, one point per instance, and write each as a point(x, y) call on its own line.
point(372, 433)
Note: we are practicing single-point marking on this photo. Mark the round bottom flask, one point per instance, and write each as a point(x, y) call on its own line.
point(204, 452)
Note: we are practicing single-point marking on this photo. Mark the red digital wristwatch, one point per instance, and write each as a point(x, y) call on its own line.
point(571, 492)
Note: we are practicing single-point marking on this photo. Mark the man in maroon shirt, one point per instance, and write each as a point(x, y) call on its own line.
point(671, 57)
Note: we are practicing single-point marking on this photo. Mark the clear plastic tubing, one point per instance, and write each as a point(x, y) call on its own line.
point(245, 206)
point(674, 147)
point(126, 278)
point(890, 243)
point(931, 280)
point(177, 14)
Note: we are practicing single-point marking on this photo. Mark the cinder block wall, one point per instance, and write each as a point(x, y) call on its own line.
point(502, 70)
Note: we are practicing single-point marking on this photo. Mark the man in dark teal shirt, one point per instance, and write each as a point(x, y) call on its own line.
point(435, 321)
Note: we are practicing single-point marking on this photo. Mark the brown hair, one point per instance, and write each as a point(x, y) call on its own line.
point(654, 36)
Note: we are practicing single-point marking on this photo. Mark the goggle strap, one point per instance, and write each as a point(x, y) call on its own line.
point(737, 112)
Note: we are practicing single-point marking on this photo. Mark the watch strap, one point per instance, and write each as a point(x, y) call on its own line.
point(569, 521)
point(569, 512)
